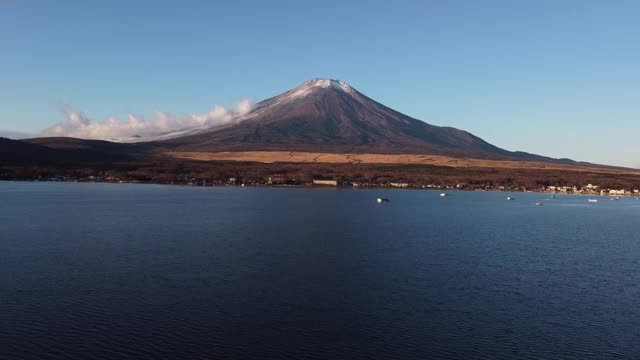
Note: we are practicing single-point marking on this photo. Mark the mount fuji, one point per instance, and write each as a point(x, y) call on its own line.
point(326, 115)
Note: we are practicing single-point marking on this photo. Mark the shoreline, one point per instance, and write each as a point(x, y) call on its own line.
point(311, 186)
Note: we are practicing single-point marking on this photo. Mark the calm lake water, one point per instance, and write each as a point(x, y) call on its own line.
point(99, 271)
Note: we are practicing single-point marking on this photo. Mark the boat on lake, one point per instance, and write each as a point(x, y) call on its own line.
point(382, 200)
point(593, 200)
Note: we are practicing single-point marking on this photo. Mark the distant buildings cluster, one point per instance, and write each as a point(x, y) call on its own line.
point(591, 190)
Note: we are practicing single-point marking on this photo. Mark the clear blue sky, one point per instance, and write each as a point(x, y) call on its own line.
point(558, 78)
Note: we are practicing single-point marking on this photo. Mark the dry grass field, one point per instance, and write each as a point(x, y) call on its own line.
point(268, 157)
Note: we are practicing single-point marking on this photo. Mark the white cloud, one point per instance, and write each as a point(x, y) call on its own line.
point(79, 126)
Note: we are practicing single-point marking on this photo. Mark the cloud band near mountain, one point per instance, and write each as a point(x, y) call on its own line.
point(79, 126)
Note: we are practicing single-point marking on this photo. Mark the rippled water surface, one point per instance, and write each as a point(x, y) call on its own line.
point(97, 271)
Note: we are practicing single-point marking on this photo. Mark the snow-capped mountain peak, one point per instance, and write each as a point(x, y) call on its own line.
point(326, 83)
point(312, 85)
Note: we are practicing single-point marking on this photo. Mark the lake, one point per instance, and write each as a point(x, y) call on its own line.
point(113, 271)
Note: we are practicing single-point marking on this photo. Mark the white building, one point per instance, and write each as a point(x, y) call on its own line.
point(325, 182)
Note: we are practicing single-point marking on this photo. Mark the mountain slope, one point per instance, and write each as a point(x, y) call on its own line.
point(60, 151)
point(95, 147)
point(325, 115)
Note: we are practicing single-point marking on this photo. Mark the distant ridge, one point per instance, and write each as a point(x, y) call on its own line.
point(60, 151)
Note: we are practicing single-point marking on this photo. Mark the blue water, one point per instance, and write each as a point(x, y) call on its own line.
point(99, 271)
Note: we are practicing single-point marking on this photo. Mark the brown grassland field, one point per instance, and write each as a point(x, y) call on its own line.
point(269, 157)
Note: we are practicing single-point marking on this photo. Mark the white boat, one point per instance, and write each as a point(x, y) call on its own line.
point(444, 194)
point(539, 203)
point(615, 198)
point(593, 200)
point(382, 200)
point(510, 198)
